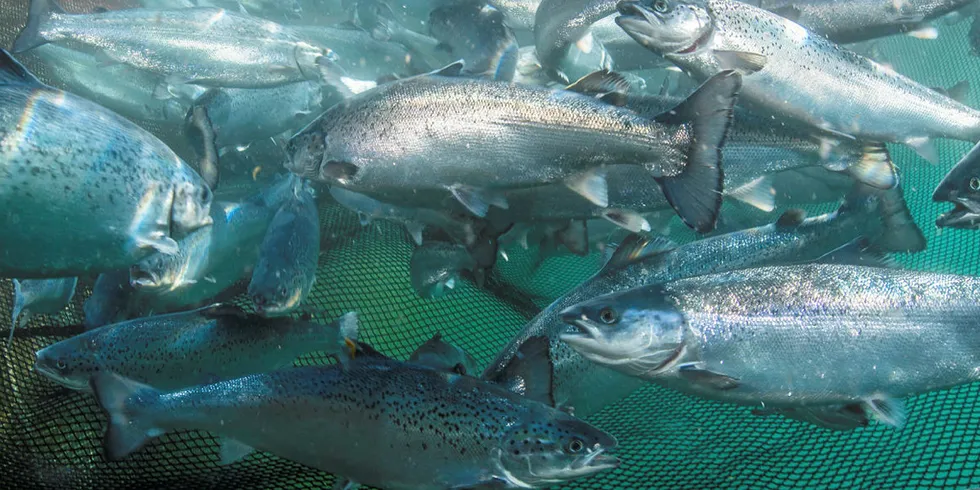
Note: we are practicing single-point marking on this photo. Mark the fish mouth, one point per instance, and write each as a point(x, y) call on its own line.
point(141, 278)
point(52, 375)
point(597, 461)
point(965, 215)
point(634, 19)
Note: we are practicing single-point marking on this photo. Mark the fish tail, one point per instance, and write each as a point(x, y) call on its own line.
point(200, 132)
point(899, 233)
point(126, 402)
point(696, 193)
point(39, 13)
point(18, 309)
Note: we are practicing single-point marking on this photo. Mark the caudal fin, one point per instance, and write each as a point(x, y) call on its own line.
point(200, 133)
point(18, 309)
point(898, 233)
point(346, 337)
point(696, 193)
point(30, 37)
point(123, 401)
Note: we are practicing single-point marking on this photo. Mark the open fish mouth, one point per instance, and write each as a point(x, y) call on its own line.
point(636, 22)
point(965, 215)
point(139, 277)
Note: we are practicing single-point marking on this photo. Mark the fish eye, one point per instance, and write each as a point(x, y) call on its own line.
point(459, 369)
point(282, 291)
point(608, 316)
point(975, 183)
point(661, 6)
point(60, 364)
point(576, 446)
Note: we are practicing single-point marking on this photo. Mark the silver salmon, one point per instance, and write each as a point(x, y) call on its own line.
point(807, 336)
point(437, 133)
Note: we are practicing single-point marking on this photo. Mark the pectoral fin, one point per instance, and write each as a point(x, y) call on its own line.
point(888, 410)
point(704, 377)
point(740, 61)
point(232, 451)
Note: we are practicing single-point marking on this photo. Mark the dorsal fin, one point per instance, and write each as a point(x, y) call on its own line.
point(223, 309)
point(600, 82)
point(451, 70)
point(959, 92)
point(12, 72)
point(791, 218)
point(365, 350)
point(529, 372)
point(636, 246)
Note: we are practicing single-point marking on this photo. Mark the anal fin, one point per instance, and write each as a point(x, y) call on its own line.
point(232, 451)
point(925, 148)
point(626, 219)
point(758, 193)
point(591, 185)
point(477, 200)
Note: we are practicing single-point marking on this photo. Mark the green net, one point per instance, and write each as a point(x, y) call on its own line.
point(51, 437)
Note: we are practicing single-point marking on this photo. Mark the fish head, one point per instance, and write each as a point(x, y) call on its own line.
point(279, 297)
point(156, 271)
point(444, 23)
point(558, 449)
point(666, 26)
point(639, 331)
point(961, 187)
point(70, 362)
point(309, 157)
point(436, 266)
point(191, 207)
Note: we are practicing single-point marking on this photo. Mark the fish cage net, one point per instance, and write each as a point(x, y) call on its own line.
point(52, 438)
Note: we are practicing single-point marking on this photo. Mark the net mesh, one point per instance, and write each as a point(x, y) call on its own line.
point(51, 437)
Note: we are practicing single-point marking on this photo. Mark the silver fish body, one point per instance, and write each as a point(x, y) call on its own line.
point(211, 260)
point(436, 266)
point(477, 34)
point(519, 14)
point(559, 24)
point(109, 302)
point(852, 21)
point(787, 241)
point(793, 74)
point(120, 88)
point(460, 227)
point(241, 116)
point(359, 54)
point(204, 46)
point(433, 133)
point(434, 430)
point(794, 336)
point(440, 354)
point(39, 297)
point(84, 189)
point(288, 257)
point(190, 348)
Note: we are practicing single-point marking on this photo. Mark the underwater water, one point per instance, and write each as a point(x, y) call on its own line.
point(479, 282)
